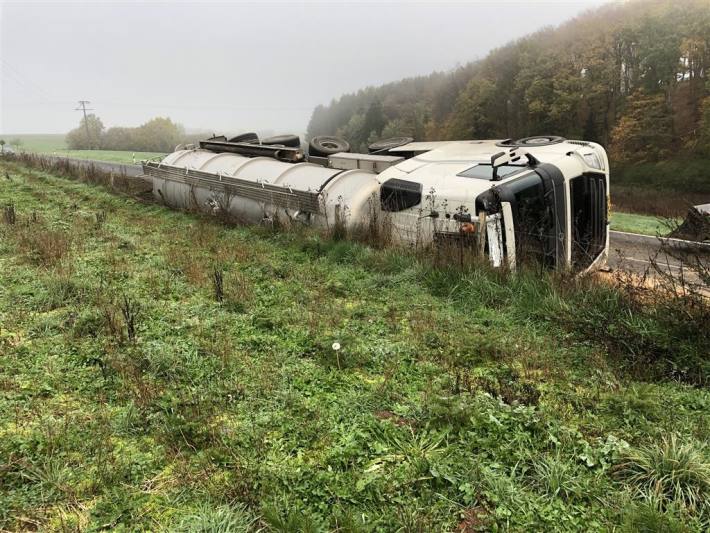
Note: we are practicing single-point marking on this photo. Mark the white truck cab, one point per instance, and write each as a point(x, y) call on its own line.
point(544, 197)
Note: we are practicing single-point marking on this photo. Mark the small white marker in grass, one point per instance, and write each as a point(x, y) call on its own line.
point(336, 348)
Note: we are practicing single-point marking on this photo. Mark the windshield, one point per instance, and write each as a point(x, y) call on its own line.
point(483, 171)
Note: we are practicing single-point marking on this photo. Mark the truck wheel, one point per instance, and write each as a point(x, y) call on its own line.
point(387, 144)
point(250, 137)
point(539, 140)
point(325, 145)
point(294, 141)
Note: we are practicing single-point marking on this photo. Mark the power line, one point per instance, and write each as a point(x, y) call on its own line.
point(14, 74)
point(83, 103)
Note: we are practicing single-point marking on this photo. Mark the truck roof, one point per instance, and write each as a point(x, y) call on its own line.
point(438, 165)
point(483, 150)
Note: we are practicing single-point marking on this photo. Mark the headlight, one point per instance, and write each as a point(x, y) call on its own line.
point(593, 161)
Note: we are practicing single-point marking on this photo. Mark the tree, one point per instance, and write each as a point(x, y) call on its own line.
point(471, 117)
point(353, 132)
point(645, 130)
point(374, 119)
point(582, 79)
point(659, 50)
point(158, 135)
point(702, 142)
point(88, 135)
point(120, 139)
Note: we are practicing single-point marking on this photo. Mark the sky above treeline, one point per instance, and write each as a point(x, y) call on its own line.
point(234, 66)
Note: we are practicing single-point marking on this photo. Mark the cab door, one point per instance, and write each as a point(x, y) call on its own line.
point(534, 225)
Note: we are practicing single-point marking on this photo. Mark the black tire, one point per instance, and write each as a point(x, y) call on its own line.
point(540, 140)
point(387, 144)
point(293, 141)
point(325, 145)
point(251, 138)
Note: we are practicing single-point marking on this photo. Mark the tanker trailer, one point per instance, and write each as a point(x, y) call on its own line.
point(539, 197)
point(256, 183)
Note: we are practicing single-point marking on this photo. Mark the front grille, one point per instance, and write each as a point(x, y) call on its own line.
point(589, 218)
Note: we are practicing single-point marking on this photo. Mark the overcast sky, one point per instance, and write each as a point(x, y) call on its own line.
point(233, 66)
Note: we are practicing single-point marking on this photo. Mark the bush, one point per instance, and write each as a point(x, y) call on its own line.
point(673, 471)
point(157, 135)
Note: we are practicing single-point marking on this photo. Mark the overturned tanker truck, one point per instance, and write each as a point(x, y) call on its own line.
point(540, 197)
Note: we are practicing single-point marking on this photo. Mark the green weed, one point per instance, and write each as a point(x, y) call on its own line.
point(672, 470)
point(131, 398)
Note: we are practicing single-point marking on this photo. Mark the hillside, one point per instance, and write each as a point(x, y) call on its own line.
point(163, 371)
point(632, 76)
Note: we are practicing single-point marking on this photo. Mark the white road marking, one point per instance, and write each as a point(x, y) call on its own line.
point(650, 263)
point(658, 239)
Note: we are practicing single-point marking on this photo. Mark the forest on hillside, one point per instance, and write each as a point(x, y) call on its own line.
point(632, 76)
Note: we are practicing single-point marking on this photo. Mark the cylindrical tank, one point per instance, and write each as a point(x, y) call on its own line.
point(198, 179)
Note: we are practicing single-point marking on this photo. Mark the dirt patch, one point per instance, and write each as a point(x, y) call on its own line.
point(474, 519)
point(395, 419)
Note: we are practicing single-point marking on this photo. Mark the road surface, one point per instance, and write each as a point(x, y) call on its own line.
point(118, 168)
point(633, 252)
point(627, 251)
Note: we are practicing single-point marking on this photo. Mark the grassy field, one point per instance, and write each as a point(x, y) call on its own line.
point(162, 371)
point(108, 155)
point(54, 144)
point(37, 142)
point(635, 223)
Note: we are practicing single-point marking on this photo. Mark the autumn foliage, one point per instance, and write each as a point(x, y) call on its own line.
point(631, 76)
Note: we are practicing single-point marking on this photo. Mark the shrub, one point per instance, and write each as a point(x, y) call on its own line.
point(649, 516)
point(558, 477)
point(44, 246)
point(672, 471)
point(216, 519)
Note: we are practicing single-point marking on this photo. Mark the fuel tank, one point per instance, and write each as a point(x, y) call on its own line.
point(257, 189)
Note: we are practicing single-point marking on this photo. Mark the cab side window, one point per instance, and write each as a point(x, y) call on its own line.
point(398, 195)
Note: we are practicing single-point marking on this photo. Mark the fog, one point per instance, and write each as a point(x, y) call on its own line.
point(233, 66)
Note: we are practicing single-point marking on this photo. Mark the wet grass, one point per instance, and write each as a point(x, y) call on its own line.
point(54, 144)
point(111, 156)
point(163, 371)
point(641, 224)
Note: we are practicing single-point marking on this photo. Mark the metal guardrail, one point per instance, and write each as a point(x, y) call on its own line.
point(278, 195)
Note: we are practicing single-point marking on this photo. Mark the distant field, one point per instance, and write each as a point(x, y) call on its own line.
point(108, 155)
point(643, 224)
point(55, 144)
point(38, 142)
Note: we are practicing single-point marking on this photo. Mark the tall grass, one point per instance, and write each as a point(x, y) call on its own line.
point(672, 470)
point(458, 391)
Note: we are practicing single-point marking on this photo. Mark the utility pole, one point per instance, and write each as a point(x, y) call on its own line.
point(82, 104)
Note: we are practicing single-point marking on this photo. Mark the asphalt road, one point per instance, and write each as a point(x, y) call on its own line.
point(118, 168)
point(627, 251)
point(632, 252)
